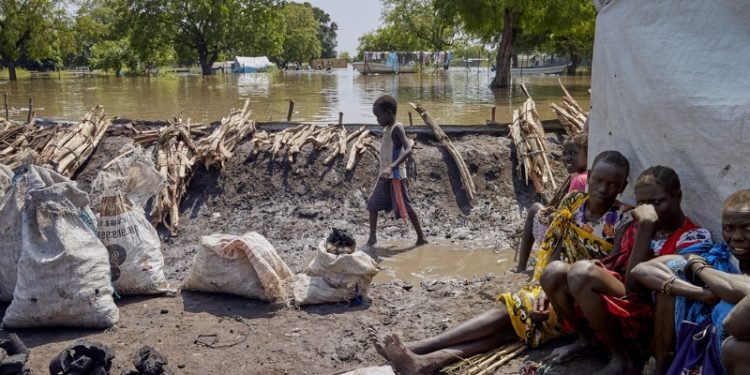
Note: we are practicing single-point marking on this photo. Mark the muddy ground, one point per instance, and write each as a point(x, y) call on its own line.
point(294, 205)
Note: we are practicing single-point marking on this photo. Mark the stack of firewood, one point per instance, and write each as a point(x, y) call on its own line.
point(175, 155)
point(290, 141)
point(569, 112)
point(148, 137)
point(70, 147)
point(63, 149)
point(217, 148)
point(531, 147)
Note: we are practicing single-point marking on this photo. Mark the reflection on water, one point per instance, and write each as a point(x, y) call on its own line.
point(435, 262)
point(456, 97)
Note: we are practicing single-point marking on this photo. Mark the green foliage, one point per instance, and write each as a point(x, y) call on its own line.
point(110, 55)
point(326, 32)
point(301, 42)
point(424, 20)
point(345, 55)
point(390, 38)
point(31, 29)
point(206, 29)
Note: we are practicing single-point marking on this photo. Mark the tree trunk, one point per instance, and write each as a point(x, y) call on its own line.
point(12, 70)
point(504, 54)
point(206, 60)
point(575, 60)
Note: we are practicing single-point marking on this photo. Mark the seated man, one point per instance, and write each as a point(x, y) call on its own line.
point(698, 283)
point(582, 229)
point(604, 291)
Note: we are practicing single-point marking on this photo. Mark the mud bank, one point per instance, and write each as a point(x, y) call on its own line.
point(294, 205)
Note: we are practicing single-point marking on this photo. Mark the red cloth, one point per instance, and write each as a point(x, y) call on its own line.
point(634, 311)
point(398, 195)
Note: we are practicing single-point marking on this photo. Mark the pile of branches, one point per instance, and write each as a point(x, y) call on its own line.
point(63, 149)
point(290, 141)
point(217, 148)
point(531, 146)
point(569, 112)
point(487, 363)
point(175, 155)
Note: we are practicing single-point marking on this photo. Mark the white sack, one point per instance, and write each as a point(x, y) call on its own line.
point(334, 278)
point(671, 86)
point(132, 242)
point(6, 176)
point(246, 266)
point(31, 177)
point(63, 271)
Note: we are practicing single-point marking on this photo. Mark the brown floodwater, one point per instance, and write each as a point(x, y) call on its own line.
point(454, 97)
point(401, 260)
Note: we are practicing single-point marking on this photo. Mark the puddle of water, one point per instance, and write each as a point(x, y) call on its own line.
point(400, 260)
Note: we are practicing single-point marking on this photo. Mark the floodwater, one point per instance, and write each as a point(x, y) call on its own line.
point(403, 261)
point(458, 96)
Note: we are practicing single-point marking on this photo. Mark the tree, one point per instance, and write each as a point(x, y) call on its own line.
point(209, 28)
point(301, 42)
point(503, 21)
point(389, 38)
point(326, 32)
point(345, 56)
point(422, 19)
point(110, 55)
point(30, 28)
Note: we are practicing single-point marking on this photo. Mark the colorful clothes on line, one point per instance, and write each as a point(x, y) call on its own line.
point(577, 244)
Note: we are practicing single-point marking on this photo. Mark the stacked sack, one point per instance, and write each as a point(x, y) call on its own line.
point(51, 257)
point(132, 242)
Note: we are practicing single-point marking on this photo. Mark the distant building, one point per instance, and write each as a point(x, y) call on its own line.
point(243, 64)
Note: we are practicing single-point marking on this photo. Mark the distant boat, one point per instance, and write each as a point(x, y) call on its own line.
point(543, 69)
point(473, 62)
point(367, 67)
point(243, 64)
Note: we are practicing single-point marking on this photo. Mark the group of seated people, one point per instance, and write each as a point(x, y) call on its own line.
point(640, 281)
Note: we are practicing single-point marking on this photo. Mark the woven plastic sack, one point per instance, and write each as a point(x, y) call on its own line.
point(334, 278)
point(246, 266)
point(63, 271)
point(30, 177)
point(133, 244)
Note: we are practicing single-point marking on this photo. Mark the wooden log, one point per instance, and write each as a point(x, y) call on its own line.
point(463, 170)
point(358, 144)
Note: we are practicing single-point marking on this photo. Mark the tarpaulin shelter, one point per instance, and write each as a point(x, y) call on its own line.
point(671, 86)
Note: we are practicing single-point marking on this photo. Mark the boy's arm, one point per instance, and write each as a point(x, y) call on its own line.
point(399, 133)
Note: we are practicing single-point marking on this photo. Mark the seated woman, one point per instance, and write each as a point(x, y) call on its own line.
point(689, 289)
point(582, 229)
point(574, 155)
point(604, 291)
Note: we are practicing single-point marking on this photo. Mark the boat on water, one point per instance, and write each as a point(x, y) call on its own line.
point(368, 67)
point(542, 69)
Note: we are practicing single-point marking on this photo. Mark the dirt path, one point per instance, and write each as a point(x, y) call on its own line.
point(294, 206)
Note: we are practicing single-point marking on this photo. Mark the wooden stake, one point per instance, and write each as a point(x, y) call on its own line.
point(341, 118)
point(411, 121)
point(7, 116)
point(31, 108)
point(291, 111)
point(494, 107)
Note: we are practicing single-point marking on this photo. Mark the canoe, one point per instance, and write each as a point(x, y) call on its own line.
point(545, 69)
point(380, 68)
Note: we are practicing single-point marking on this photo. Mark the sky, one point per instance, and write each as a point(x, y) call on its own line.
point(354, 18)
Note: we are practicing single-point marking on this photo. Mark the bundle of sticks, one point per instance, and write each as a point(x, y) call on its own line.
point(175, 154)
point(148, 137)
point(485, 364)
point(463, 170)
point(531, 146)
point(70, 147)
point(290, 141)
point(217, 148)
point(569, 112)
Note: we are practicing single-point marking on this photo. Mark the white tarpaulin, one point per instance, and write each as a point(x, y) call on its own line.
point(671, 86)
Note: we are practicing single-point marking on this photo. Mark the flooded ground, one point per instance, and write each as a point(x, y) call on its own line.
point(442, 261)
point(458, 96)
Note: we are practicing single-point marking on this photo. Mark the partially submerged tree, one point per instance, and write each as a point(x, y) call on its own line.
point(29, 27)
point(301, 41)
point(422, 19)
point(390, 38)
point(502, 21)
point(210, 27)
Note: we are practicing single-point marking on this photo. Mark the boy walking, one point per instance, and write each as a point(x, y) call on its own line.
point(391, 191)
